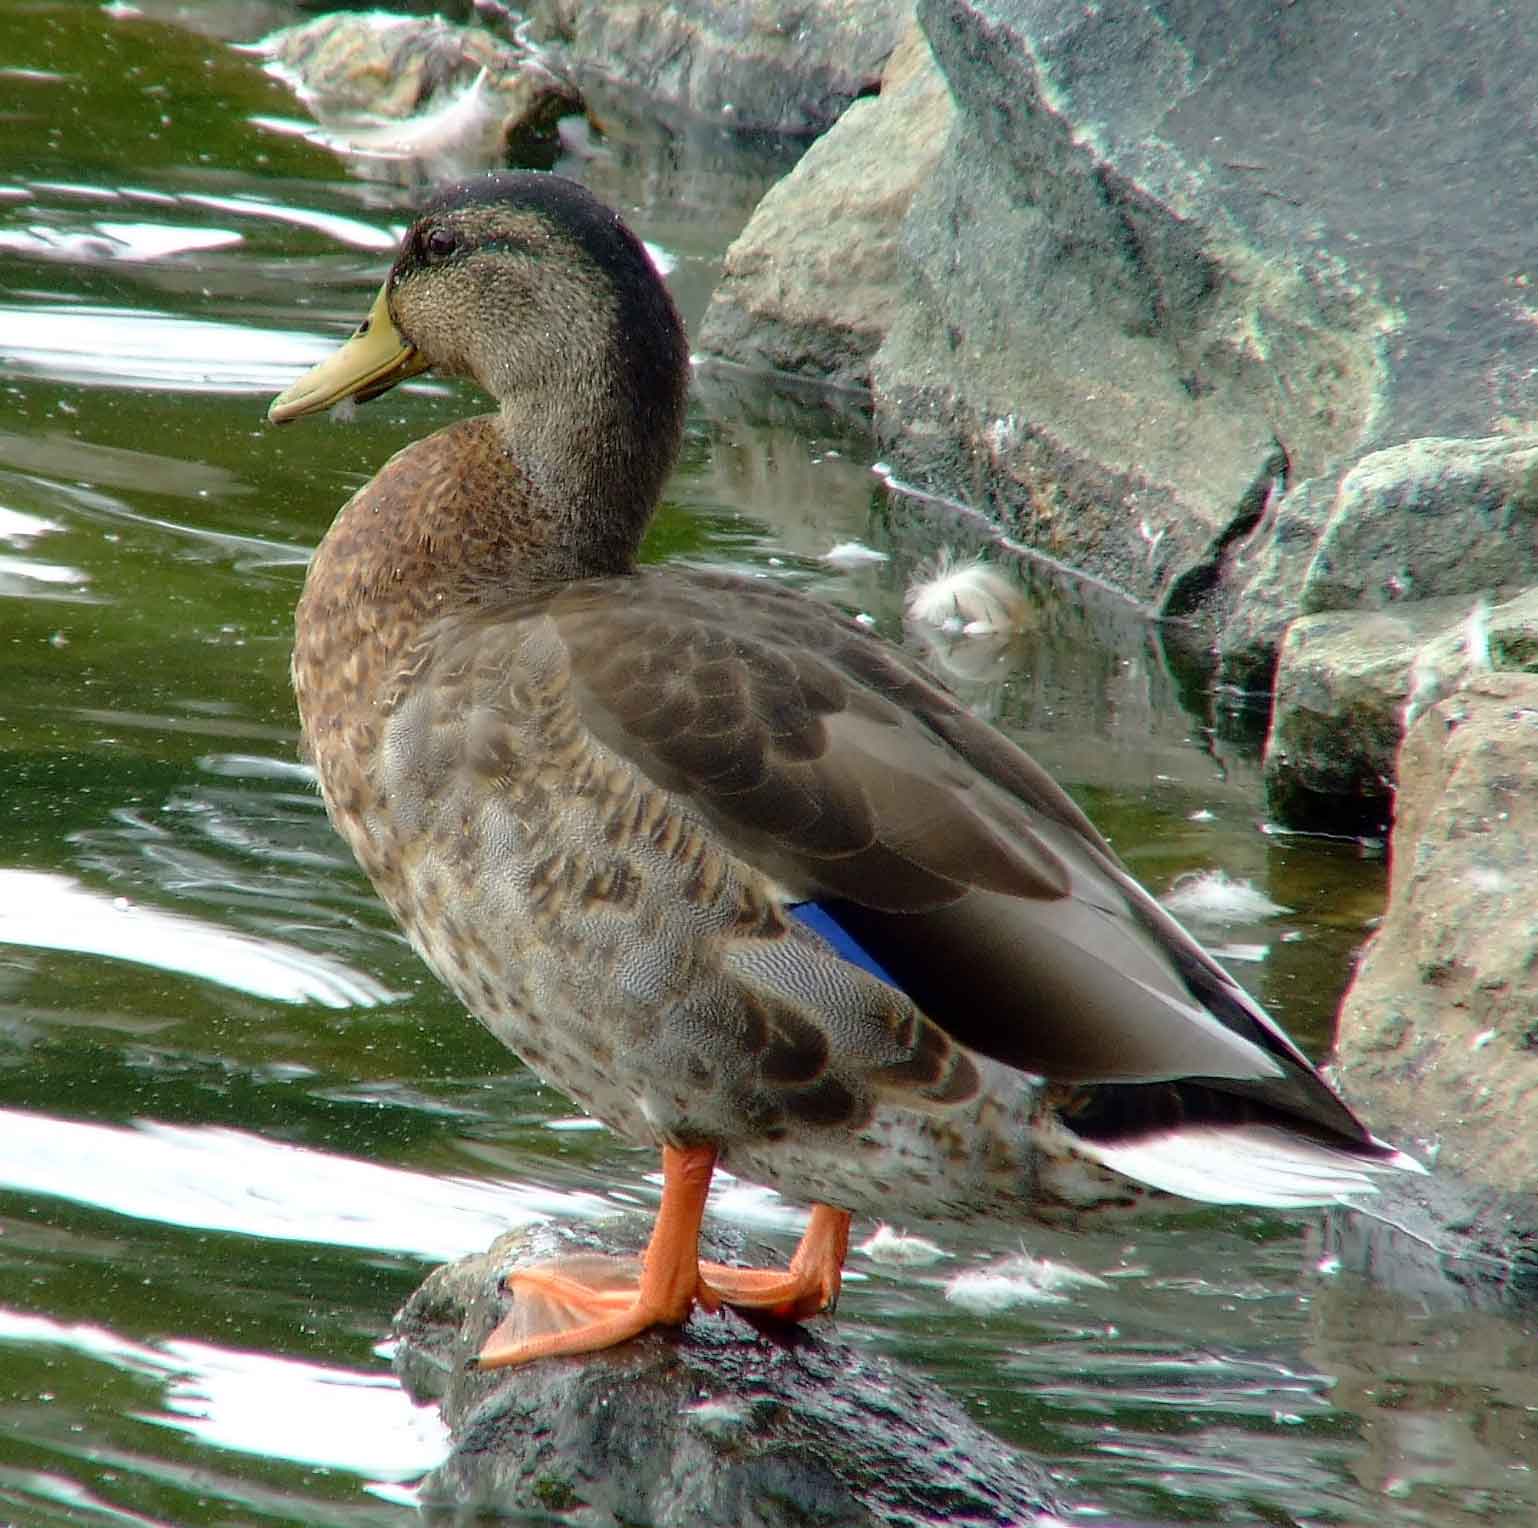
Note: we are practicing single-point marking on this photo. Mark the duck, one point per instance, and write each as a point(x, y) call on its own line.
point(737, 875)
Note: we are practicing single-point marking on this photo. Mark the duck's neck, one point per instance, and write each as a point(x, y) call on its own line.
point(488, 509)
point(581, 483)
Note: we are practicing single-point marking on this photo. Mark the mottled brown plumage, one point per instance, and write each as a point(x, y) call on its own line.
point(596, 797)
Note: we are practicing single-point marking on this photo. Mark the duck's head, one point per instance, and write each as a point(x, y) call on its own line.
point(531, 286)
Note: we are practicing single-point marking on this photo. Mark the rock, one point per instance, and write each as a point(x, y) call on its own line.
point(1438, 1032)
point(784, 67)
point(1079, 346)
point(1427, 534)
point(1146, 277)
point(1341, 686)
point(441, 100)
point(719, 1426)
point(1427, 518)
point(811, 285)
point(1417, 521)
point(353, 62)
point(1350, 683)
point(1262, 578)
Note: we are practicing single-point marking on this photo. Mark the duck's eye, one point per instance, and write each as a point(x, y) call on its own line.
point(439, 244)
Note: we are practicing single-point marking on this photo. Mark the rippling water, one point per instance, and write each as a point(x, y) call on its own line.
point(238, 1122)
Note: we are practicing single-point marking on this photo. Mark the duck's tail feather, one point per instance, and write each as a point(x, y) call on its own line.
point(1256, 1164)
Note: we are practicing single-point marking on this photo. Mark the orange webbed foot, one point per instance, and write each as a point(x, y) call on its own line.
point(583, 1304)
point(811, 1283)
point(575, 1305)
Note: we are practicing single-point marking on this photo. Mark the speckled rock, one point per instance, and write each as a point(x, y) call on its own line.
point(1427, 518)
point(1439, 1032)
point(1341, 687)
point(1349, 684)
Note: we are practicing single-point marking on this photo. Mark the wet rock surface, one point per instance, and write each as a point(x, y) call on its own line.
point(812, 285)
point(720, 1424)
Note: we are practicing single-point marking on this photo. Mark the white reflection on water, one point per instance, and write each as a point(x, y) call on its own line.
point(217, 1179)
point(258, 1403)
point(343, 229)
point(22, 530)
point(86, 1505)
point(106, 240)
point(310, 1413)
point(21, 577)
point(55, 912)
point(124, 347)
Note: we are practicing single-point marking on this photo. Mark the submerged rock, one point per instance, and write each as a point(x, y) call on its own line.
point(389, 89)
point(717, 1426)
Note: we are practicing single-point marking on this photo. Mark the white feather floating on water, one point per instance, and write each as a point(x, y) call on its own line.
point(897, 1249)
point(967, 598)
point(1211, 896)
point(852, 554)
point(1021, 1280)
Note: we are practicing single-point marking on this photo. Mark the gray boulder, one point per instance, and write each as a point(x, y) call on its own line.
point(1342, 684)
point(1351, 682)
point(812, 284)
point(1430, 517)
point(1169, 257)
point(788, 68)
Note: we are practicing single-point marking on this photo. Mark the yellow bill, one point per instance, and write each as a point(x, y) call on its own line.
point(371, 362)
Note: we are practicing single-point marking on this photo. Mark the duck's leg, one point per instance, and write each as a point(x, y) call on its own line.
point(583, 1304)
point(809, 1285)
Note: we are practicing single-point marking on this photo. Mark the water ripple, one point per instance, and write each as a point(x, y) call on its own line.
point(217, 1179)
point(55, 912)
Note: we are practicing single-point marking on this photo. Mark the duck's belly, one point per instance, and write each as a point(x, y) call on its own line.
point(1002, 1157)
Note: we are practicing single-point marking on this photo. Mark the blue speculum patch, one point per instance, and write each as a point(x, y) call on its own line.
point(821, 920)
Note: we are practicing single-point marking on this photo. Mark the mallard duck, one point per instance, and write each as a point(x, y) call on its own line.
point(737, 875)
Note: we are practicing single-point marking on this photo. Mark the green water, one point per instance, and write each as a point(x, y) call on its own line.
point(238, 1123)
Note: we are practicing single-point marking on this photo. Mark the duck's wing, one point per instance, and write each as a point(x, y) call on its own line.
point(832, 762)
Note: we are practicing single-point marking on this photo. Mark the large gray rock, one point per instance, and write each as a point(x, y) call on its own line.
point(717, 1426)
point(812, 284)
point(1341, 688)
point(1170, 255)
point(787, 67)
point(1439, 1032)
point(1425, 519)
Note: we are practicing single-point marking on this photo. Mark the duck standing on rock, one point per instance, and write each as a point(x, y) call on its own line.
point(732, 872)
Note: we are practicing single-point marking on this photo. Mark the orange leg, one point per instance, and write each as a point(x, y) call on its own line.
point(581, 1304)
